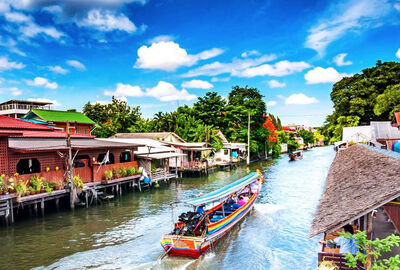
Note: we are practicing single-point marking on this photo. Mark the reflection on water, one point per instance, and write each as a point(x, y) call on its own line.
point(125, 233)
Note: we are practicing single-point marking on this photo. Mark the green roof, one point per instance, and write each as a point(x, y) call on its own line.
point(59, 116)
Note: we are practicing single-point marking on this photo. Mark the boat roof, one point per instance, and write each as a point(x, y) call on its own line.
point(224, 192)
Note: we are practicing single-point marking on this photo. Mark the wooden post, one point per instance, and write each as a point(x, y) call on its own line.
point(176, 167)
point(72, 195)
point(248, 140)
point(42, 206)
point(12, 211)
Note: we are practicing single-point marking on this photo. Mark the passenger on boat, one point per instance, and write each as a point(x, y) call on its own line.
point(246, 198)
point(200, 209)
point(241, 201)
point(346, 245)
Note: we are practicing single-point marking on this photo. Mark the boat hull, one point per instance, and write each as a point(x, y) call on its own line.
point(194, 247)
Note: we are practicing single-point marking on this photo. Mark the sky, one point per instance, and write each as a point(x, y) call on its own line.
point(160, 54)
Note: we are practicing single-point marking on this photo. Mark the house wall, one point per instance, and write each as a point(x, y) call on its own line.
point(3, 155)
point(223, 154)
point(75, 128)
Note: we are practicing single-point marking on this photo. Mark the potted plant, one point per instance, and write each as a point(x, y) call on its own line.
point(32, 190)
point(108, 175)
point(123, 172)
point(21, 188)
point(115, 174)
point(77, 181)
point(37, 183)
point(11, 186)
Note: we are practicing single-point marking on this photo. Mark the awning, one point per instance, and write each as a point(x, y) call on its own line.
point(224, 192)
point(160, 155)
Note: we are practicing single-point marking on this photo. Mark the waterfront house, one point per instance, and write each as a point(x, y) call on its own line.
point(158, 136)
point(78, 122)
point(157, 159)
point(362, 189)
point(18, 108)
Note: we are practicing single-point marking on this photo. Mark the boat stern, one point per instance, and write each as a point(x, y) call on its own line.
point(176, 245)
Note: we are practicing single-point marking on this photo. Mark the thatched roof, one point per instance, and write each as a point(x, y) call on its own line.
point(361, 179)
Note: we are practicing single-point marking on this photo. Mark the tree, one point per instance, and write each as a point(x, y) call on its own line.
point(208, 134)
point(210, 109)
point(371, 251)
point(364, 96)
point(308, 136)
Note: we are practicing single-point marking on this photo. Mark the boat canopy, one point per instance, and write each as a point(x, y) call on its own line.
point(222, 193)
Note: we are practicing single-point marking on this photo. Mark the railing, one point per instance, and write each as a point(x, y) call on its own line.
point(85, 173)
point(50, 176)
point(337, 259)
point(98, 171)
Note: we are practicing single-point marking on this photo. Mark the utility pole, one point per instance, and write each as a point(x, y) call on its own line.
point(248, 140)
point(206, 131)
point(72, 194)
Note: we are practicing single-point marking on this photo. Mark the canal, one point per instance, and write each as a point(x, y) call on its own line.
point(125, 233)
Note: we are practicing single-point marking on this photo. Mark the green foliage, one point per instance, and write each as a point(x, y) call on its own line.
point(21, 188)
point(131, 170)
point(374, 248)
point(77, 181)
point(308, 136)
point(123, 172)
point(108, 174)
point(372, 95)
point(210, 109)
point(37, 182)
point(276, 150)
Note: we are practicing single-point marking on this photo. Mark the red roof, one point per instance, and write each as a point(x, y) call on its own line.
point(396, 119)
point(13, 123)
point(18, 128)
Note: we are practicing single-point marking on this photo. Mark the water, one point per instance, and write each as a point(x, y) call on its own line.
point(125, 233)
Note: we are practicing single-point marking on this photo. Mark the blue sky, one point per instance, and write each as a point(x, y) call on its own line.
point(158, 54)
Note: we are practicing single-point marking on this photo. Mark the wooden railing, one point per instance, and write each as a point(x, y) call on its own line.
point(337, 259)
point(50, 176)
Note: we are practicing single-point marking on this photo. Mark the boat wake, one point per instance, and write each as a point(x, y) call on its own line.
point(268, 208)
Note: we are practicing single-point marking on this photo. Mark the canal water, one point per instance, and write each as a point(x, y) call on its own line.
point(125, 233)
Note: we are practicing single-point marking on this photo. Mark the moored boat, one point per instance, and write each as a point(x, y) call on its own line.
point(295, 155)
point(197, 231)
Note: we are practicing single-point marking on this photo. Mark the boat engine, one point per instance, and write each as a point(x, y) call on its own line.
point(191, 220)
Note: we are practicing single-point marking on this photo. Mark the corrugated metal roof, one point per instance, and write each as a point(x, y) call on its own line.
point(384, 130)
point(159, 155)
point(13, 123)
point(155, 146)
point(60, 116)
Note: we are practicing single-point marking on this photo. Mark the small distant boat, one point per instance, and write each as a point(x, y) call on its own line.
point(197, 231)
point(295, 155)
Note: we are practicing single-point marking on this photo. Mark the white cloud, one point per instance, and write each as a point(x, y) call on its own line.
point(351, 16)
point(339, 60)
point(323, 75)
point(125, 90)
point(5, 64)
point(76, 64)
point(271, 103)
point(17, 17)
point(168, 56)
point(276, 84)
point(102, 102)
point(249, 53)
point(104, 20)
point(54, 102)
point(237, 66)
point(15, 91)
point(225, 79)
point(300, 99)
point(160, 38)
point(398, 53)
point(281, 68)
point(40, 81)
point(165, 91)
point(58, 69)
point(10, 44)
point(397, 6)
point(199, 84)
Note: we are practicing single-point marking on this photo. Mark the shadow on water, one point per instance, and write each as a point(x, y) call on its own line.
point(125, 233)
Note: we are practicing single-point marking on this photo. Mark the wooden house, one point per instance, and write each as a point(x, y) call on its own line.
point(361, 189)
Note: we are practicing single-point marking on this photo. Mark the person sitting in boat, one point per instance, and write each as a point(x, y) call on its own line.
point(200, 209)
point(241, 201)
point(246, 198)
point(346, 245)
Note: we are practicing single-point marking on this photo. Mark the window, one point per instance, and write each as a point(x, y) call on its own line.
point(28, 165)
point(101, 156)
point(226, 152)
point(125, 157)
point(81, 161)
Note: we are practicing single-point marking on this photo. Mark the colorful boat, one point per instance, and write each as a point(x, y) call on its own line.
point(197, 231)
point(295, 155)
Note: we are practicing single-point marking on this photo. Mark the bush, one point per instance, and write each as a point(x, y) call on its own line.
point(276, 150)
point(123, 172)
point(78, 183)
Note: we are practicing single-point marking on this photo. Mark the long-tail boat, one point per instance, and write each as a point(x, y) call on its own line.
point(295, 155)
point(197, 231)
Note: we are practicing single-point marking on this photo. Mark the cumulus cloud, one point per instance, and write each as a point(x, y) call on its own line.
point(58, 69)
point(76, 64)
point(15, 91)
point(397, 6)
point(276, 84)
point(271, 103)
point(300, 99)
point(5, 64)
point(160, 38)
point(42, 82)
point(17, 17)
point(165, 91)
point(339, 60)
point(323, 75)
point(237, 66)
point(125, 90)
point(398, 53)
point(11, 45)
point(350, 16)
point(54, 102)
point(104, 20)
point(168, 56)
point(199, 84)
point(281, 68)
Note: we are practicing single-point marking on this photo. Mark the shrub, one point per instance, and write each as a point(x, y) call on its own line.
point(21, 188)
point(78, 183)
point(108, 174)
point(37, 182)
point(123, 172)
